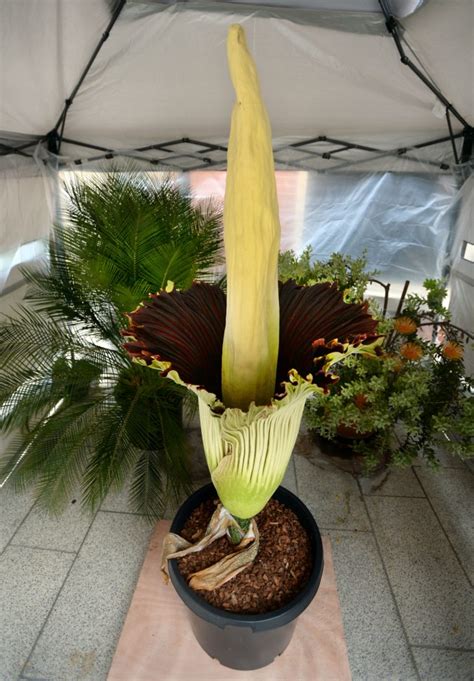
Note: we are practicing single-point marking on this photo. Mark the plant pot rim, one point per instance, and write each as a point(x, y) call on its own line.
point(274, 618)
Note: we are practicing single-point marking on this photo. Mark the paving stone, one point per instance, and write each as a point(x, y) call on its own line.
point(446, 460)
point(444, 665)
point(451, 492)
point(332, 495)
point(377, 646)
point(29, 583)
point(173, 506)
point(371, 484)
point(289, 481)
point(399, 482)
point(64, 532)
point(304, 445)
point(430, 587)
point(118, 500)
point(13, 510)
point(79, 639)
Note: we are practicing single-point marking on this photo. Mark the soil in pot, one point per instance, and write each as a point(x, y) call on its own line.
point(245, 640)
point(279, 572)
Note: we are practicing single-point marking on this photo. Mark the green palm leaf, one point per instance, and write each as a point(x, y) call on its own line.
point(80, 412)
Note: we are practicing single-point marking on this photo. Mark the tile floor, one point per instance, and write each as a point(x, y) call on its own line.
point(403, 555)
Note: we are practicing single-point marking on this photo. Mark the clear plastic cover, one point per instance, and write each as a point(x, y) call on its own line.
point(407, 223)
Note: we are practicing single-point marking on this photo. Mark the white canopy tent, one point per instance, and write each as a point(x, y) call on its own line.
point(162, 73)
point(373, 153)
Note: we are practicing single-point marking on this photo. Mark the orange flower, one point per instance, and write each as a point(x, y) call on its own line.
point(452, 350)
point(405, 325)
point(411, 351)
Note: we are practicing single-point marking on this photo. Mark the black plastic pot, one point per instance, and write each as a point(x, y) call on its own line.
point(246, 642)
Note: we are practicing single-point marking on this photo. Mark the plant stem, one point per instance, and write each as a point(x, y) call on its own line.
point(235, 534)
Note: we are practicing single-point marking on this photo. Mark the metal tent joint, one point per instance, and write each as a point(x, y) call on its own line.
point(61, 122)
point(393, 27)
point(468, 143)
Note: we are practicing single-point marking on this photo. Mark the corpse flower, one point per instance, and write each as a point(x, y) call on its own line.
point(252, 356)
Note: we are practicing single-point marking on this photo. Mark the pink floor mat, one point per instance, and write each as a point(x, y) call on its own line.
point(157, 644)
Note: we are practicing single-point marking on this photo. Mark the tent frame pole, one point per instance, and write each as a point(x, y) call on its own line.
point(6, 149)
point(467, 146)
point(55, 136)
point(393, 28)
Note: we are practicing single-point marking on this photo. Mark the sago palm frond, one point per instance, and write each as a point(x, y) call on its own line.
point(80, 412)
point(148, 235)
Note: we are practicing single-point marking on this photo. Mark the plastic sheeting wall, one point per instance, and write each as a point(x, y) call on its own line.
point(405, 222)
point(26, 213)
point(462, 274)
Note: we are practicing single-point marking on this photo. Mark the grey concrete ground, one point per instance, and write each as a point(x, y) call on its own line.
point(403, 557)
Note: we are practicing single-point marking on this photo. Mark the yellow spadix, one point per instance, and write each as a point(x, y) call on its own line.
point(252, 241)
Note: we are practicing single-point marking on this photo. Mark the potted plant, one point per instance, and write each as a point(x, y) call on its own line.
point(349, 274)
point(408, 399)
point(252, 357)
point(80, 412)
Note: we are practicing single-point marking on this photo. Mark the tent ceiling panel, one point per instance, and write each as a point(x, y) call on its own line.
point(442, 36)
point(162, 74)
point(43, 48)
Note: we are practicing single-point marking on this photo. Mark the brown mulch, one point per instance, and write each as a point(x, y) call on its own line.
point(279, 572)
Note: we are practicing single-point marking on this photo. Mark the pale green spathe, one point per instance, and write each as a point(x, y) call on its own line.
point(248, 452)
